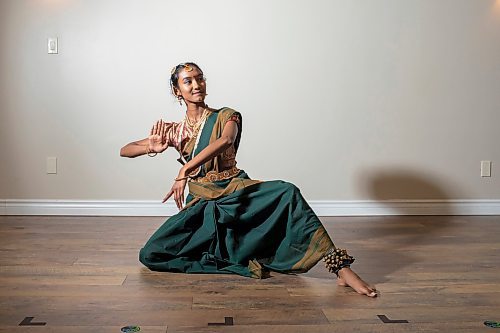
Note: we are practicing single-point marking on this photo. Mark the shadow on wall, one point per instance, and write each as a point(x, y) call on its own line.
point(403, 185)
point(405, 239)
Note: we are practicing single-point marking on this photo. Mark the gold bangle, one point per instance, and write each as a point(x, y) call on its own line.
point(150, 152)
point(181, 178)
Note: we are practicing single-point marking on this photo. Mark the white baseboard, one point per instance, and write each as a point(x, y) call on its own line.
point(90, 207)
point(406, 207)
point(322, 208)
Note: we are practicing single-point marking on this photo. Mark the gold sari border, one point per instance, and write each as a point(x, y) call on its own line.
point(318, 247)
point(257, 271)
point(214, 176)
point(211, 191)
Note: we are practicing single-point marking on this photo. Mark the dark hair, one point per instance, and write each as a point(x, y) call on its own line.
point(174, 74)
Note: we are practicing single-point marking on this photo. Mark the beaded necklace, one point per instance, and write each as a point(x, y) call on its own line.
point(196, 130)
point(195, 127)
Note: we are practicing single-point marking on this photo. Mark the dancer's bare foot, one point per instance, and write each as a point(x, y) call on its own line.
point(348, 278)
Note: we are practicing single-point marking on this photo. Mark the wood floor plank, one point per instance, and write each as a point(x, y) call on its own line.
point(416, 314)
point(79, 329)
point(62, 280)
point(458, 327)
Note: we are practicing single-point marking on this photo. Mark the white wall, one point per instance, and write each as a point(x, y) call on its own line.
point(350, 100)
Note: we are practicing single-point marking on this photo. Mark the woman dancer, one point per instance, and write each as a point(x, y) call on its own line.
point(230, 223)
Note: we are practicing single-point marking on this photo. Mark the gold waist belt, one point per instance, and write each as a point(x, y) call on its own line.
point(213, 176)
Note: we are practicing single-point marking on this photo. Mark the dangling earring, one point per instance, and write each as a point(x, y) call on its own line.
point(179, 98)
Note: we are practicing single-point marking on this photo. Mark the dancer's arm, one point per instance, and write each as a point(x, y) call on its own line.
point(135, 148)
point(155, 143)
point(215, 148)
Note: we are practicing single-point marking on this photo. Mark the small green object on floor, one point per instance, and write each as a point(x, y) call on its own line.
point(129, 329)
point(492, 324)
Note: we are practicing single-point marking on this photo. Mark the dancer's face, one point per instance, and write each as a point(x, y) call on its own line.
point(192, 85)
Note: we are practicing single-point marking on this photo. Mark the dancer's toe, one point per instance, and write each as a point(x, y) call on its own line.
point(366, 290)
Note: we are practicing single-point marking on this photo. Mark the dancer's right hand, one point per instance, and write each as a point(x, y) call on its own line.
point(158, 136)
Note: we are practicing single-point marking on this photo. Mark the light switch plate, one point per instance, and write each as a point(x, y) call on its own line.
point(52, 45)
point(51, 165)
point(485, 168)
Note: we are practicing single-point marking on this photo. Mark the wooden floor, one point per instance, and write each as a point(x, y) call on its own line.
point(81, 274)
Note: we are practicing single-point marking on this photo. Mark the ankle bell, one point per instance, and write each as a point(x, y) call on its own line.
point(336, 259)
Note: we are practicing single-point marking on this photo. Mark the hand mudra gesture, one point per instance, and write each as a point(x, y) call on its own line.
point(158, 136)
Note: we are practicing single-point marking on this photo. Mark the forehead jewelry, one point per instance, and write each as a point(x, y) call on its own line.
point(187, 68)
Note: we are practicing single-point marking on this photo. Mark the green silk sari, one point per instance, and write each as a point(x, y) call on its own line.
point(233, 224)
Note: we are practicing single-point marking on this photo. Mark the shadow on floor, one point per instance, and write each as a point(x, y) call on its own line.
point(398, 235)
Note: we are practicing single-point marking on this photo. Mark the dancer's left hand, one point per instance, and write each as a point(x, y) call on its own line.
point(177, 191)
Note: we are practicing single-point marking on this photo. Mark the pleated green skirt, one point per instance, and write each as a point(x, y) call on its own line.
point(263, 227)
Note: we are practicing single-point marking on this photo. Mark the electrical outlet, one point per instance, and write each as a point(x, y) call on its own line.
point(485, 168)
